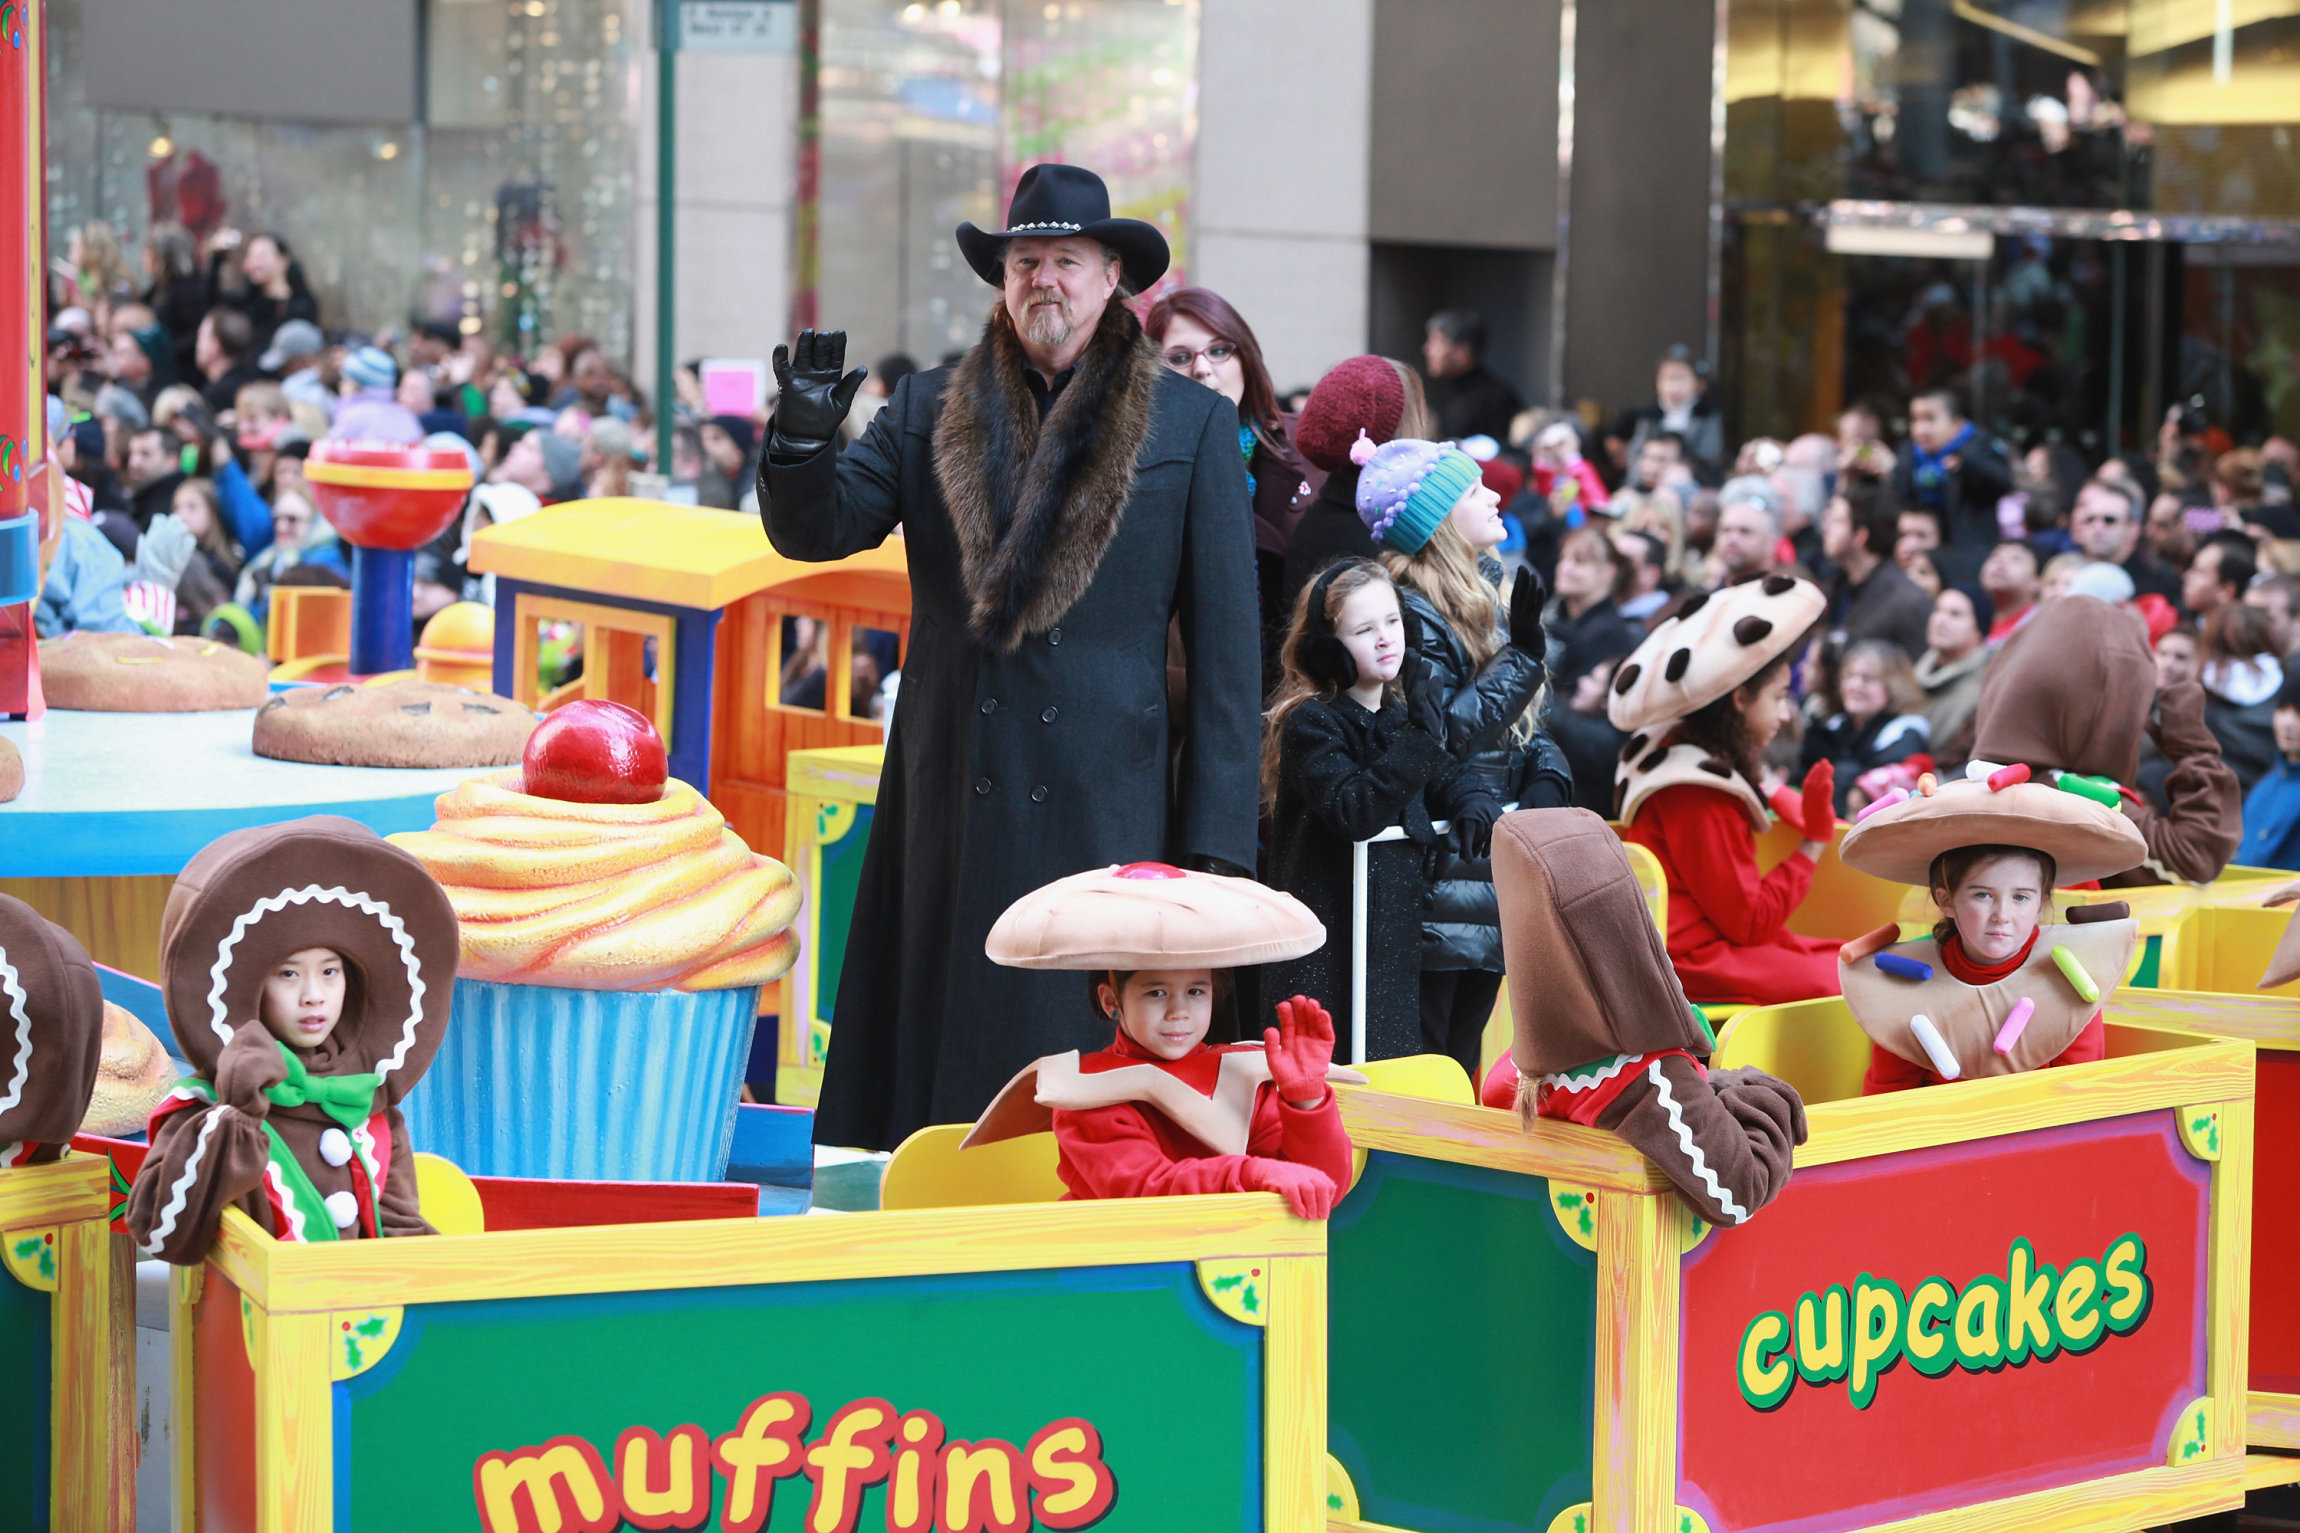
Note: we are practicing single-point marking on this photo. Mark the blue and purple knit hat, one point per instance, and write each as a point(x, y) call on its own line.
point(1408, 487)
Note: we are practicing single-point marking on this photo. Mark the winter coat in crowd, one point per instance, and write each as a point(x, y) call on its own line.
point(1052, 540)
point(2073, 690)
point(1952, 692)
point(1965, 495)
point(374, 415)
point(1888, 605)
point(1858, 746)
point(1479, 402)
point(1343, 776)
point(2272, 818)
point(1463, 930)
point(1592, 748)
point(1284, 483)
point(82, 588)
point(154, 499)
point(1580, 644)
point(1701, 424)
point(2240, 710)
point(1328, 531)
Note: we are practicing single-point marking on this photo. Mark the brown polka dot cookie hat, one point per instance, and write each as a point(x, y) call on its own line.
point(1714, 643)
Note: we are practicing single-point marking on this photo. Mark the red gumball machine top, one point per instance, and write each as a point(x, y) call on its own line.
point(387, 494)
point(592, 751)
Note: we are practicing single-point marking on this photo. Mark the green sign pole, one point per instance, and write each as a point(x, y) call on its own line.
point(666, 228)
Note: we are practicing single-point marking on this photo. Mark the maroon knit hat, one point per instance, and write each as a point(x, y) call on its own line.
point(1362, 394)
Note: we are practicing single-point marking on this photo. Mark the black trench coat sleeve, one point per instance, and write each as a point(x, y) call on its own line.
point(1221, 634)
point(832, 504)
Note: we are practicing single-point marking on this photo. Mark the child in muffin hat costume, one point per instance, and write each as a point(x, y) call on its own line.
point(1968, 1004)
point(308, 1140)
point(1608, 1040)
point(1149, 1117)
point(51, 1035)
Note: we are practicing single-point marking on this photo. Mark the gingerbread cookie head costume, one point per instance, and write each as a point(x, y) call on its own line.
point(253, 897)
point(140, 673)
point(1605, 1037)
point(1904, 995)
point(1145, 915)
point(51, 1034)
point(2071, 689)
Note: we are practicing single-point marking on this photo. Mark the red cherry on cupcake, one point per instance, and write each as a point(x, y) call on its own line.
point(594, 752)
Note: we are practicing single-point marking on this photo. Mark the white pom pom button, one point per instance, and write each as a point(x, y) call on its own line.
point(343, 1208)
point(334, 1146)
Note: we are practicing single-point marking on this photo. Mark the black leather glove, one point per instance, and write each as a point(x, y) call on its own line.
point(1472, 830)
point(1424, 691)
point(1526, 599)
point(812, 398)
point(1325, 659)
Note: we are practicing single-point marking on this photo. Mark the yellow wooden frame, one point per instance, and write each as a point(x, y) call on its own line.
point(825, 774)
point(293, 1293)
point(533, 607)
point(92, 1475)
point(1643, 1231)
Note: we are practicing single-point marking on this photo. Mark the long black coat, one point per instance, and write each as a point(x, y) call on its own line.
point(1007, 770)
point(1345, 775)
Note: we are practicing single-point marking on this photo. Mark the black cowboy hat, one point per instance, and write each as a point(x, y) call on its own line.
point(1056, 201)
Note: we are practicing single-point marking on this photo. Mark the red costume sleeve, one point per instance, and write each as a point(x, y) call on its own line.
point(1113, 1152)
point(1312, 1137)
point(1714, 856)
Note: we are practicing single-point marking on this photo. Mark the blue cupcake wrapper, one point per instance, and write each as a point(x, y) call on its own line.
point(586, 1085)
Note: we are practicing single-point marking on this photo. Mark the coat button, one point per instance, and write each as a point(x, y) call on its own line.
point(1050, 715)
point(1038, 794)
point(1054, 636)
point(990, 705)
point(982, 786)
point(334, 1146)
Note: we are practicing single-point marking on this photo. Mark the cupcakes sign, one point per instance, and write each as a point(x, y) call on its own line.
point(933, 1483)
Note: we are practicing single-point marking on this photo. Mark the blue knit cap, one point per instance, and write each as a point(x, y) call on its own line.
point(1407, 488)
point(371, 367)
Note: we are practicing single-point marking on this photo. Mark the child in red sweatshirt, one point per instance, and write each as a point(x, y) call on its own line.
point(1160, 1111)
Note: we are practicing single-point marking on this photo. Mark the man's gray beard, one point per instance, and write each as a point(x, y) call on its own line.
point(1047, 325)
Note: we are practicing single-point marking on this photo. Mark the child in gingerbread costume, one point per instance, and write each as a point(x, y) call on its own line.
point(51, 1035)
point(1161, 1111)
point(1997, 988)
point(308, 968)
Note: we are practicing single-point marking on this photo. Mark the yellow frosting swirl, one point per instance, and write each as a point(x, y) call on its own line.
point(606, 896)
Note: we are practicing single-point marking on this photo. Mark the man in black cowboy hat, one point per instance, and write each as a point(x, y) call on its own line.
point(1065, 497)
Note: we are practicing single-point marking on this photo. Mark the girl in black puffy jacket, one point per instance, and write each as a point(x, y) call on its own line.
point(1429, 509)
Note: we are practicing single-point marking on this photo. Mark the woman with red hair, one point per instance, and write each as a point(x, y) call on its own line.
point(1200, 335)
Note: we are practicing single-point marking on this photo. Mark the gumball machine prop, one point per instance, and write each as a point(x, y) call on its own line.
point(386, 500)
point(23, 422)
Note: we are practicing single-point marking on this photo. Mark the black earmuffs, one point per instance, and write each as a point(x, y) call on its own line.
point(1324, 658)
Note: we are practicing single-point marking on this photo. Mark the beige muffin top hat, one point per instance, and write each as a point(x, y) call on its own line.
point(1148, 915)
point(2086, 840)
point(1714, 643)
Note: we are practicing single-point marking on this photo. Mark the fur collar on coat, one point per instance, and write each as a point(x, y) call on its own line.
point(1035, 504)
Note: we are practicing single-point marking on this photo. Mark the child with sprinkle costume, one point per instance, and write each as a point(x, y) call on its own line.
point(1700, 700)
point(307, 968)
point(1996, 989)
point(51, 1035)
point(1608, 1040)
point(1160, 1111)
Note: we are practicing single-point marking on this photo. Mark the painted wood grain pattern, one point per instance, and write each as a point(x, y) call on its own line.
point(1344, 1525)
point(1634, 1457)
point(2011, 1104)
point(66, 1191)
point(2143, 1498)
point(721, 1253)
point(2229, 1316)
point(83, 1347)
point(120, 1327)
point(2273, 1420)
point(295, 1425)
point(116, 919)
point(2272, 1020)
point(184, 1287)
point(1294, 1396)
point(1485, 1136)
point(2263, 1471)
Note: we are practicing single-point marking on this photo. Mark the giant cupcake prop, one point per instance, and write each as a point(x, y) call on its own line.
point(615, 933)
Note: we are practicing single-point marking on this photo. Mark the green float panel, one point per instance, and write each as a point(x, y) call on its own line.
point(841, 867)
point(27, 1362)
point(1462, 1340)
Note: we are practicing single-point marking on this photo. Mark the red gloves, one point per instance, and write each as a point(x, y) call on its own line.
point(249, 1063)
point(1307, 1190)
point(1299, 1048)
point(1818, 813)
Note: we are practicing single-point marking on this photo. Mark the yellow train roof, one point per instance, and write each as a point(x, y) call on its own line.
point(688, 556)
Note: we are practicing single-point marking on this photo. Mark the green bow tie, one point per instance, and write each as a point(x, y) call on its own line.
point(349, 1099)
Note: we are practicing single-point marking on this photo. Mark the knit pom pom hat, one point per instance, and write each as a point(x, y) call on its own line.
point(1406, 488)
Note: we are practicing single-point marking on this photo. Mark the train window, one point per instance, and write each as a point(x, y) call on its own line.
point(874, 670)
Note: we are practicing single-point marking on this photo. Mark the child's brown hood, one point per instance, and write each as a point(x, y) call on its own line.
point(251, 898)
point(51, 1028)
point(2070, 689)
point(1588, 976)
